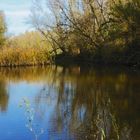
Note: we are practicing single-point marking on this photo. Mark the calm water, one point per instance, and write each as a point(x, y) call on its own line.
point(69, 103)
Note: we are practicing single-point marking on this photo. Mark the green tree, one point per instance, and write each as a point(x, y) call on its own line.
point(2, 28)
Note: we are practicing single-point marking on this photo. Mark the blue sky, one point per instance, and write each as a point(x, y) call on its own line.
point(17, 15)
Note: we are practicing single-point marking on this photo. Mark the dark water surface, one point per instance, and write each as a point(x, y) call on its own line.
point(69, 103)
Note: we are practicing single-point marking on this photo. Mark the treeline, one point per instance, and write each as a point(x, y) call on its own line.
point(101, 31)
point(30, 48)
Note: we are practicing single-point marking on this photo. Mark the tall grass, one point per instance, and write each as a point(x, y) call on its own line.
point(18, 56)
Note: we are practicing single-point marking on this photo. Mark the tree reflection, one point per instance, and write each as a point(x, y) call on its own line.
point(85, 103)
point(83, 108)
point(4, 97)
point(87, 110)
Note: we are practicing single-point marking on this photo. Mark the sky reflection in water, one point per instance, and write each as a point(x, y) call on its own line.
point(66, 101)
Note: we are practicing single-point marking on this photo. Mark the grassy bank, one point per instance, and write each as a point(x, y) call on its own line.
point(31, 56)
point(13, 56)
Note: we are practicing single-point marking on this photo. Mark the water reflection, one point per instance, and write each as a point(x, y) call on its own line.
point(76, 103)
point(3, 96)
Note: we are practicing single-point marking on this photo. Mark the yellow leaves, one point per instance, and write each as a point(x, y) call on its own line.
point(119, 42)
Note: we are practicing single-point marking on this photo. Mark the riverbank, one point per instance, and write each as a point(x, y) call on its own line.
point(32, 56)
point(94, 60)
point(19, 60)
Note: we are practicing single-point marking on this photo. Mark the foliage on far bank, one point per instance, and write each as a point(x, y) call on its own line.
point(25, 49)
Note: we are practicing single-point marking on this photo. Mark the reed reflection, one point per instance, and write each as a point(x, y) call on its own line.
point(4, 97)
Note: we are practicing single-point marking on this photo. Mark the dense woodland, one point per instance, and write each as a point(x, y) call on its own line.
point(95, 31)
